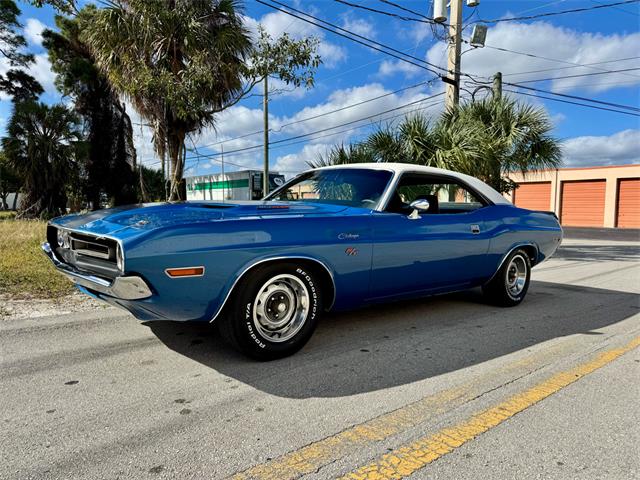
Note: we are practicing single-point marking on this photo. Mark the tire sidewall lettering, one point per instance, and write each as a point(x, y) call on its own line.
point(313, 312)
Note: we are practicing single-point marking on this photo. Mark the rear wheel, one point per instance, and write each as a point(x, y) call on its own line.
point(274, 311)
point(510, 285)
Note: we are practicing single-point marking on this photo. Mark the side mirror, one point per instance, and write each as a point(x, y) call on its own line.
point(420, 205)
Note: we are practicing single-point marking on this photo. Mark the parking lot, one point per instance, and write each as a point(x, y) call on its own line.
point(447, 387)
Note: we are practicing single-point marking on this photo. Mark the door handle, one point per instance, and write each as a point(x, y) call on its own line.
point(475, 229)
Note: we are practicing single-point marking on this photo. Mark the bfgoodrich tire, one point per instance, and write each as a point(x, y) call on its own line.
point(510, 285)
point(274, 311)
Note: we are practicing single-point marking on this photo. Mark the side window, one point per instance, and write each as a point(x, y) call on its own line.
point(445, 196)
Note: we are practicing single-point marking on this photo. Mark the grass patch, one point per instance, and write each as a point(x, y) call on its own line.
point(24, 271)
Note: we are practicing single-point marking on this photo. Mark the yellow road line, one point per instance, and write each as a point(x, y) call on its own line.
point(310, 458)
point(407, 459)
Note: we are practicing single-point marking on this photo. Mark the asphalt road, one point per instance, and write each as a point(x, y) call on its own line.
point(447, 387)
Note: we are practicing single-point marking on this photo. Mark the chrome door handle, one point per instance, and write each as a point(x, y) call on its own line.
point(475, 229)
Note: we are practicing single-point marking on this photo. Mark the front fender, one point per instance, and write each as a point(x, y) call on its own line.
point(227, 250)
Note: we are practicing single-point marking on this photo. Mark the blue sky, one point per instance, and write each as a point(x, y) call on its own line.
point(352, 74)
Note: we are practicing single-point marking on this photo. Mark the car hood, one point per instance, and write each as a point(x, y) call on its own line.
point(131, 220)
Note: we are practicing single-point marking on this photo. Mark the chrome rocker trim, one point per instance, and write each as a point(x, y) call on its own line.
point(124, 288)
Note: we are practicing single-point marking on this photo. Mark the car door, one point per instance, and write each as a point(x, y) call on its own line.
point(441, 249)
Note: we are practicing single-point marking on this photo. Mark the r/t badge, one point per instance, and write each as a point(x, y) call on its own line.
point(351, 251)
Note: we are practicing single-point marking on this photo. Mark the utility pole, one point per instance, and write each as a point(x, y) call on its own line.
point(455, 47)
point(265, 113)
point(223, 179)
point(497, 86)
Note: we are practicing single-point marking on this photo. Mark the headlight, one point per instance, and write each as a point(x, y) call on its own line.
point(63, 238)
point(120, 258)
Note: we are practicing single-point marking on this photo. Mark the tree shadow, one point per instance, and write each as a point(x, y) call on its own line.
point(396, 344)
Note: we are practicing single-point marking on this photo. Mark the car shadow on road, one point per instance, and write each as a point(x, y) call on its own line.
point(397, 344)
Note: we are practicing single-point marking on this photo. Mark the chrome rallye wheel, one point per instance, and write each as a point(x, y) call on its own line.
point(510, 284)
point(274, 311)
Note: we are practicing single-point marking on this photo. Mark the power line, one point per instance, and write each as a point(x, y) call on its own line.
point(211, 157)
point(314, 134)
point(626, 83)
point(310, 134)
point(413, 12)
point(335, 29)
point(304, 135)
point(572, 103)
point(578, 75)
point(575, 97)
point(573, 66)
point(526, 54)
point(306, 119)
point(620, 9)
point(424, 18)
point(553, 14)
point(540, 6)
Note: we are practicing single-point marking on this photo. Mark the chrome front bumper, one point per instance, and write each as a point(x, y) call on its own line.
point(124, 288)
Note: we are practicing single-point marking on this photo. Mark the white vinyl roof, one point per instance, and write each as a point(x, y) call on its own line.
point(400, 168)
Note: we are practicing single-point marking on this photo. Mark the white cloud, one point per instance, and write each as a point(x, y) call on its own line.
point(558, 118)
point(331, 54)
point(617, 149)
point(4, 66)
point(279, 89)
point(359, 26)
point(238, 121)
point(419, 32)
point(390, 68)
point(342, 98)
point(297, 162)
point(277, 23)
point(41, 71)
point(546, 40)
point(142, 139)
point(33, 31)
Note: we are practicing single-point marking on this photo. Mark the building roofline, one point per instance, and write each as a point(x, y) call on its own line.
point(595, 167)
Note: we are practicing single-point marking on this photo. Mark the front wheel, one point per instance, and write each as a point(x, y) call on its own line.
point(510, 285)
point(274, 311)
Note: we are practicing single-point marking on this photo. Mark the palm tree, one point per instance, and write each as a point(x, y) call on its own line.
point(110, 169)
point(486, 139)
point(41, 146)
point(181, 62)
point(178, 61)
point(340, 155)
point(503, 136)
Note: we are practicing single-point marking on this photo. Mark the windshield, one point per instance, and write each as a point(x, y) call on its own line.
point(353, 187)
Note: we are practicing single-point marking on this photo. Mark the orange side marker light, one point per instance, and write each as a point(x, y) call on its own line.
point(185, 272)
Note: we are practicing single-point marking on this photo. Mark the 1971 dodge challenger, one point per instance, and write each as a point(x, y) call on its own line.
point(332, 238)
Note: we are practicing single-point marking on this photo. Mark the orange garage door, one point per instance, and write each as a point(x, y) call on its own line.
point(534, 196)
point(629, 203)
point(583, 203)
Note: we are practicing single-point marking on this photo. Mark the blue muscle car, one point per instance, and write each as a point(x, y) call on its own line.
point(332, 238)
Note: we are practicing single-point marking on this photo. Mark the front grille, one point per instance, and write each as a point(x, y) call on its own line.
point(88, 253)
point(93, 247)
